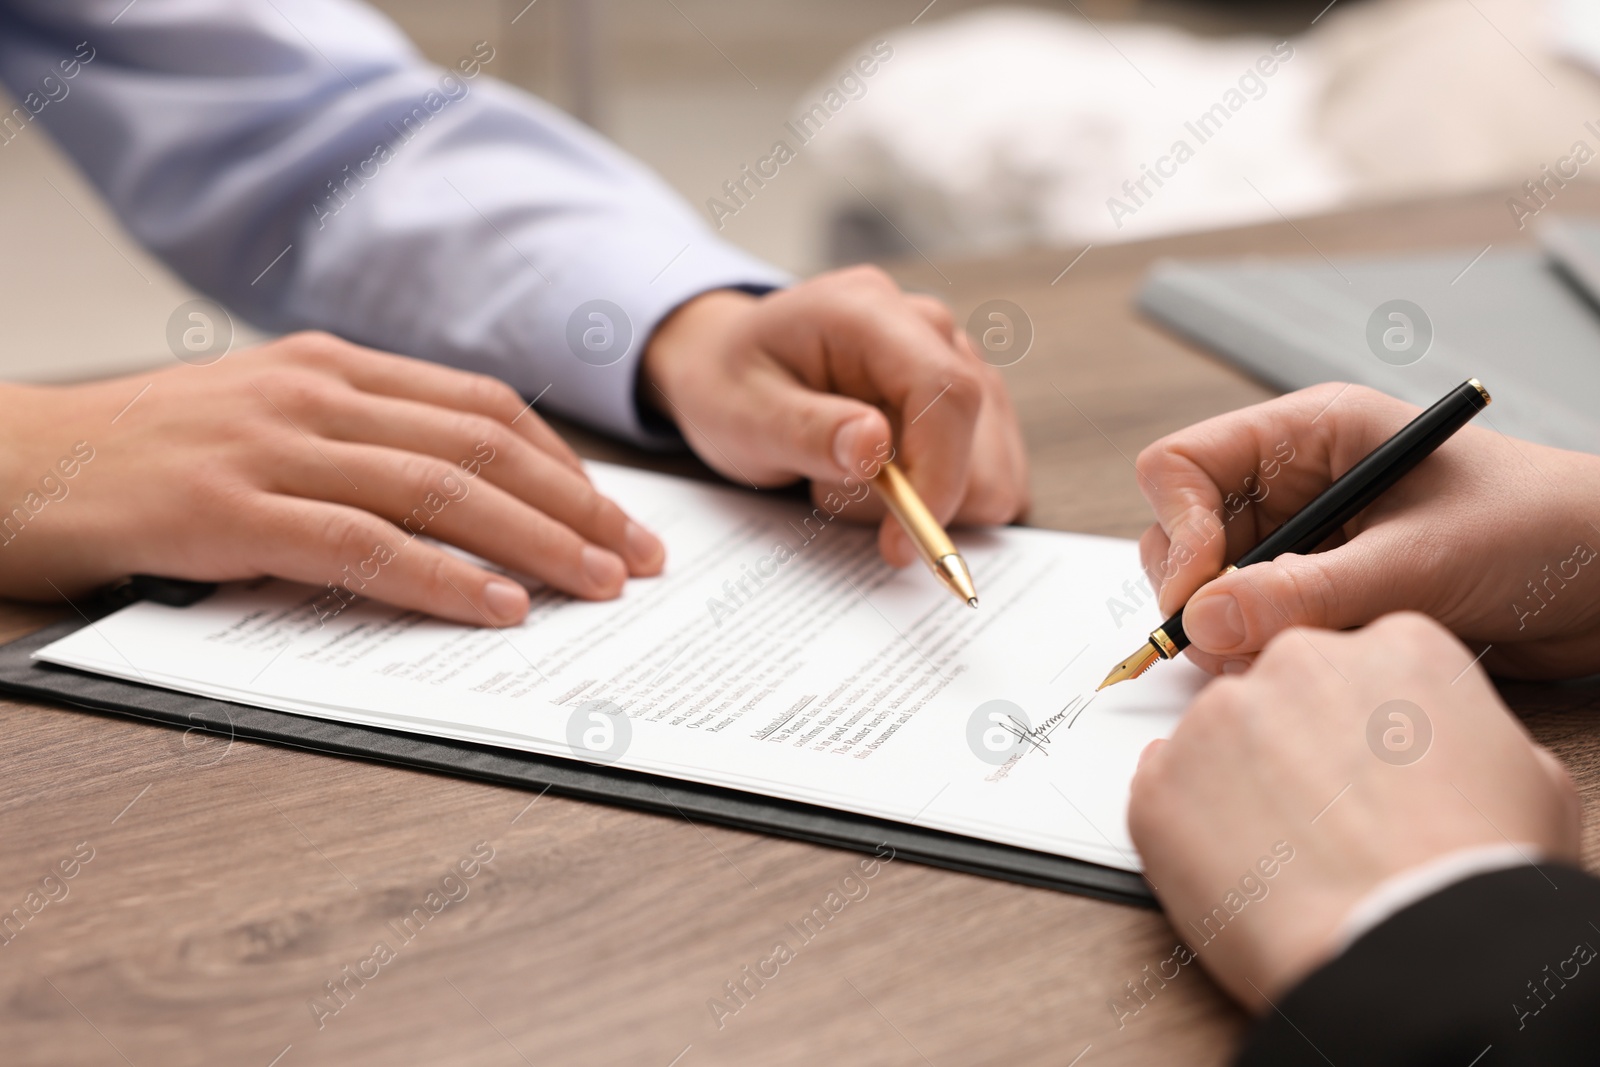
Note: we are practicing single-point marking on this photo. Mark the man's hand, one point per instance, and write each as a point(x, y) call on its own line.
point(1495, 538)
point(309, 459)
point(827, 380)
point(1259, 756)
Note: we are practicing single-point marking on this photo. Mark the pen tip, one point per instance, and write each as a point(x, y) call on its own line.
point(1131, 667)
point(972, 602)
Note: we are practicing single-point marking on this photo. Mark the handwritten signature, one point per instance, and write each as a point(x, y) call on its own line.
point(1040, 736)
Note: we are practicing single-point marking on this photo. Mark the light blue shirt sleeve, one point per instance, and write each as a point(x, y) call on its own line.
point(297, 160)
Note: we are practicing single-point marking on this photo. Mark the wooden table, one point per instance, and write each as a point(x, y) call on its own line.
point(228, 884)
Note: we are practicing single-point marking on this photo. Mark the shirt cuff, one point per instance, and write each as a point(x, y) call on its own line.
point(1400, 891)
point(602, 387)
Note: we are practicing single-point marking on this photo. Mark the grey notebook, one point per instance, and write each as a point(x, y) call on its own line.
point(1520, 320)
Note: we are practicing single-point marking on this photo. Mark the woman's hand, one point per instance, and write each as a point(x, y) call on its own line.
point(1496, 538)
point(827, 380)
point(308, 459)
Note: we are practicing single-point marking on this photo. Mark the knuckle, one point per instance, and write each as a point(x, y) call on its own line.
point(1408, 623)
point(1144, 464)
point(965, 389)
point(599, 514)
point(220, 490)
point(936, 311)
point(317, 347)
point(1151, 462)
point(809, 424)
point(1285, 649)
point(218, 493)
point(435, 576)
point(865, 275)
point(476, 430)
point(492, 394)
point(1411, 633)
point(292, 389)
point(434, 473)
point(423, 475)
point(351, 535)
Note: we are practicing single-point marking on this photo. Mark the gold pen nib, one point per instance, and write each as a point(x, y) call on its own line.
point(1132, 667)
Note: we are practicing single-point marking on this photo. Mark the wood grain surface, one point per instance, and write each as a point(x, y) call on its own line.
point(229, 884)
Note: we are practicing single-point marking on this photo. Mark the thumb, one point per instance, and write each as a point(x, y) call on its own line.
point(1343, 587)
point(816, 435)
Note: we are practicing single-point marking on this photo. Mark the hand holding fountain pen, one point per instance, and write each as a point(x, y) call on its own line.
point(1338, 504)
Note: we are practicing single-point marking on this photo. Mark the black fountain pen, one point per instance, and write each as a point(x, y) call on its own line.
point(1341, 502)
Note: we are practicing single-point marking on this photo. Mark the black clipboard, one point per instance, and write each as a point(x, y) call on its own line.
point(23, 677)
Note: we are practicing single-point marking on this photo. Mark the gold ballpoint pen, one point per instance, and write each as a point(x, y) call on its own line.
point(933, 544)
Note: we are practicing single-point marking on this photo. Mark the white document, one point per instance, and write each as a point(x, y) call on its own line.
point(777, 654)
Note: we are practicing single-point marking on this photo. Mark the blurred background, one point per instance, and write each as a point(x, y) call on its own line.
point(989, 127)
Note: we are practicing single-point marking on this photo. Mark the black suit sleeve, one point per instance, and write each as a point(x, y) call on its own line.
point(1502, 968)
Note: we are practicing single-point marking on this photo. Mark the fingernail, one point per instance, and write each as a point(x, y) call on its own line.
point(643, 546)
point(1234, 666)
point(507, 602)
point(603, 568)
point(1146, 752)
point(845, 442)
point(1215, 622)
